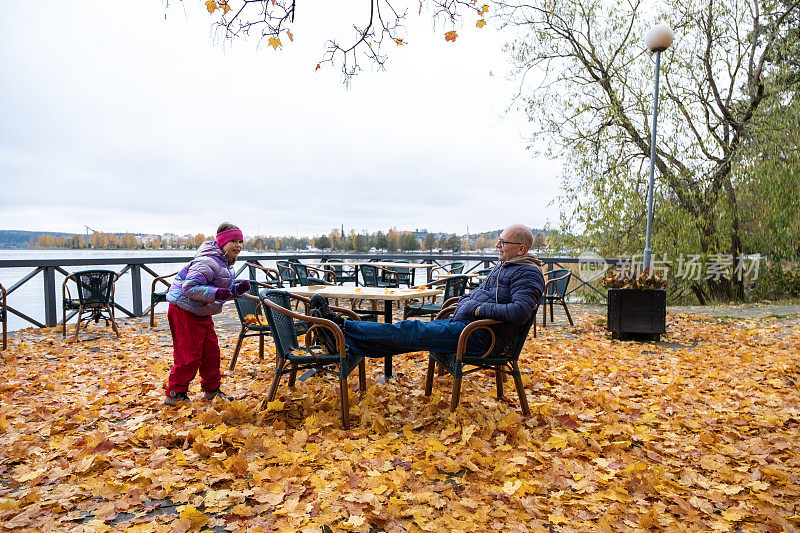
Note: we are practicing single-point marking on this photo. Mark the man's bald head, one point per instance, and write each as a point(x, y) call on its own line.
point(520, 233)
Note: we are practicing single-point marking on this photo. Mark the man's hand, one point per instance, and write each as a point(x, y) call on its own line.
point(477, 310)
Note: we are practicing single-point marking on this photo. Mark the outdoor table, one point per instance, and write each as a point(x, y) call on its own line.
point(367, 293)
point(470, 275)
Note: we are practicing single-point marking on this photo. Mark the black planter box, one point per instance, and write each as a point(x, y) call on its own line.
point(637, 314)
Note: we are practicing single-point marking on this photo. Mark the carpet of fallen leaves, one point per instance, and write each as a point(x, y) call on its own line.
point(696, 433)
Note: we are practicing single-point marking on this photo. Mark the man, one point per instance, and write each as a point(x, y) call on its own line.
point(510, 294)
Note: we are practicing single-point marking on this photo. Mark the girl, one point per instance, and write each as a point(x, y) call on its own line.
point(198, 291)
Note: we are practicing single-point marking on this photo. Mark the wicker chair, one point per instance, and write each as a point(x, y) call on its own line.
point(247, 309)
point(4, 317)
point(276, 305)
point(301, 272)
point(287, 273)
point(371, 276)
point(95, 290)
point(454, 286)
point(157, 297)
point(555, 290)
point(345, 275)
point(452, 268)
point(405, 275)
point(505, 362)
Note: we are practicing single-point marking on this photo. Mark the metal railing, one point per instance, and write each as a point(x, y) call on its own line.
point(133, 267)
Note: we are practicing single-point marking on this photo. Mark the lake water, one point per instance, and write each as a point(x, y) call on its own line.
point(29, 298)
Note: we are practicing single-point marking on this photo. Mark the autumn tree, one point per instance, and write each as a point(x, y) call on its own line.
point(380, 28)
point(595, 101)
point(430, 242)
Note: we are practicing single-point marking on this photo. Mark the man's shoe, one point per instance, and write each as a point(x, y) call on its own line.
point(210, 395)
point(175, 397)
point(319, 303)
point(324, 336)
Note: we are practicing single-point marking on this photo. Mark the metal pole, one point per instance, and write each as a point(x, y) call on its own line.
point(646, 256)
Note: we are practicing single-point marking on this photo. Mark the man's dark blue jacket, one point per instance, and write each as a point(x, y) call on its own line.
point(509, 294)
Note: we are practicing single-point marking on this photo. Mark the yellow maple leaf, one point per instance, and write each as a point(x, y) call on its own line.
point(485, 8)
point(399, 42)
point(481, 23)
point(734, 514)
point(225, 7)
point(212, 6)
point(274, 42)
point(289, 34)
point(197, 518)
point(275, 405)
point(557, 518)
point(450, 36)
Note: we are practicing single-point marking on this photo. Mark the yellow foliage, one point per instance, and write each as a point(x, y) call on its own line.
point(696, 433)
point(274, 42)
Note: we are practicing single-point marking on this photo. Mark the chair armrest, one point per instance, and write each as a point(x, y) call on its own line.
point(270, 273)
point(451, 302)
point(315, 321)
point(162, 279)
point(327, 274)
point(445, 312)
point(484, 323)
point(390, 273)
point(553, 281)
point(341, 310)
point(65, 295)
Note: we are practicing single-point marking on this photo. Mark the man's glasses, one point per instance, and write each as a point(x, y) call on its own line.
point(502, 243)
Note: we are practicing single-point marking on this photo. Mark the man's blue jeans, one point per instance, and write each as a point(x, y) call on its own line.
point(374, 339)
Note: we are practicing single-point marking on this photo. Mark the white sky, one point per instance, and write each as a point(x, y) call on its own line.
point(120, 119)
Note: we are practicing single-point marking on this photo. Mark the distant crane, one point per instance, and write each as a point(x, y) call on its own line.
point(88, 228)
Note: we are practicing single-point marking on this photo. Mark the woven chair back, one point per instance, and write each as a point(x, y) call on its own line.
point(302, 273)
point(370, 275)
point(286, 272)
point(282, 326)
point(94, 287)
point(455, 286)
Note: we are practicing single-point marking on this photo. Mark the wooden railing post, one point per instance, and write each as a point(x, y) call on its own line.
point(50, 315)
point(136, 288)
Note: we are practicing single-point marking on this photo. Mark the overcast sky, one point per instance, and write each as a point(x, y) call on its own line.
point(117, 117)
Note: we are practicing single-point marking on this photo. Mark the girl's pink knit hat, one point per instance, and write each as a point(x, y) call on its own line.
point(224, 237)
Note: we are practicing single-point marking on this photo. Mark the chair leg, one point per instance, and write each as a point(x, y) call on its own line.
point(523, 399)
point(113, 320)
point(293, 376)
point(152, 314)
point(498, 378)
point(566, 310)
point(78, 323)
point(261, 346)
point(429, 376)
point(534, 322)
point(362, 375)
point(551, 312)
point(239, 342)
point(544, 315)
point(345, 403)
point(273, 388)
point(64, 323)
point(456, 394)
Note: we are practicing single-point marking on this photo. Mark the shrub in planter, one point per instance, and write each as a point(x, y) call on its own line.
point(637, 306)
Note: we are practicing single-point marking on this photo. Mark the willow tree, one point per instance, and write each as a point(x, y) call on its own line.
point(593, 102)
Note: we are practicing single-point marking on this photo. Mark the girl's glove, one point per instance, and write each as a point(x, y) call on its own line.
point(241, 287)
point(223, 294)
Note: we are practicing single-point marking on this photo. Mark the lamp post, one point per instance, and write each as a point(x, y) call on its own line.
point(657, 39)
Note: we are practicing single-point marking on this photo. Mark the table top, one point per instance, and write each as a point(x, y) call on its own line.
point(471, 275)
point(382, 264)
point(364, 293)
